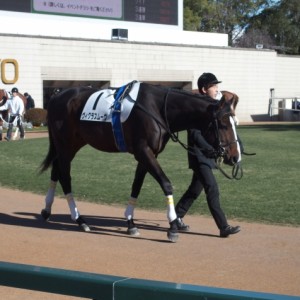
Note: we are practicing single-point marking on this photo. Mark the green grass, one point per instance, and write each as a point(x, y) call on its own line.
point(33, 129)
point(267, 193)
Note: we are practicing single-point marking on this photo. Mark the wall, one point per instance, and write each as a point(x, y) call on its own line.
point(287, 79)
point(250, 73)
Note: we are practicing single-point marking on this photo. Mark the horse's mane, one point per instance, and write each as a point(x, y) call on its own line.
point(187, 93)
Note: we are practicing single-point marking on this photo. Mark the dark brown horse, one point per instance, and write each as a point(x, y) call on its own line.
point(157, 114)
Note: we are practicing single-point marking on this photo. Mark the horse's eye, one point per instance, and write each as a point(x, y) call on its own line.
point(224, 121)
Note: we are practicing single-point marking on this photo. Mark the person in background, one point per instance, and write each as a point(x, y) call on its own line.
point(16, 107)
point(201, 159)
point(30, 102)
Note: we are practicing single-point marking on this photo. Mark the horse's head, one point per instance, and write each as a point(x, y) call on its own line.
point(224, 138)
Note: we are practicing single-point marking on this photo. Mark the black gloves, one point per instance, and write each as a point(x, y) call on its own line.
point(210, 153)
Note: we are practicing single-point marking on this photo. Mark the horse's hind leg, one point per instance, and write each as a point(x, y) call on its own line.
point(64, 177)
point(140, 174)
point(55, 176)
point(49, 199)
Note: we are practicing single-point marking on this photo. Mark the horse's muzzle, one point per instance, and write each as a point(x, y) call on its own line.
point(230, 160)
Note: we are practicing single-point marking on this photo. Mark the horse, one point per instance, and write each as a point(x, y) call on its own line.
point(4, 96)
point(157, 114)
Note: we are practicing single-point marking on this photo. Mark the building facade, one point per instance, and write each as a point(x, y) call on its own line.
point(40, 53)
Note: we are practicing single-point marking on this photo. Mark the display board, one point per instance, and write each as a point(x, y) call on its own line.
point(143, 11)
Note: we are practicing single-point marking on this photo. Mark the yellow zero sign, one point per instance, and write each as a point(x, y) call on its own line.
point(11, 75)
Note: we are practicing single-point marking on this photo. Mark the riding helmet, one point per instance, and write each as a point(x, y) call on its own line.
point(207, 79)
point(15, 90)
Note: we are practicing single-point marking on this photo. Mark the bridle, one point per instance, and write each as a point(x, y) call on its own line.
point(237, 170)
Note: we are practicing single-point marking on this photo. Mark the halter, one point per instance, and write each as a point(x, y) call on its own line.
point(221, 151)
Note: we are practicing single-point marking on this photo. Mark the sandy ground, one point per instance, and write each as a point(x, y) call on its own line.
point(260, 258)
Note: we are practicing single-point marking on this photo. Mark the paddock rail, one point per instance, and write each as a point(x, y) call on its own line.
point(107, 287)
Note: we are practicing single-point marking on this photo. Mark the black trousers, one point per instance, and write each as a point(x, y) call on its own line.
point(203, 178)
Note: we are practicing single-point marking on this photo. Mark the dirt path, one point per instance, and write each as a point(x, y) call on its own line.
point(260, 258)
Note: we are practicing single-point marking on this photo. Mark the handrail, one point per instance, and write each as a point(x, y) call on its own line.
point(106, 287)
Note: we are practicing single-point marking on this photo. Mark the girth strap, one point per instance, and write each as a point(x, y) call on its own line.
point(116, 120)
point(121, 93)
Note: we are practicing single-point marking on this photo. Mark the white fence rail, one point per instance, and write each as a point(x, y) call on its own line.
point(284, 108)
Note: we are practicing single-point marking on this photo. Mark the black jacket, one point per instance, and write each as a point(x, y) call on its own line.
point(198, 149)
point(30, 103)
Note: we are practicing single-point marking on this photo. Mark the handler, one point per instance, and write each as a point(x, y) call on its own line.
point(16, 107)
point(201, 161)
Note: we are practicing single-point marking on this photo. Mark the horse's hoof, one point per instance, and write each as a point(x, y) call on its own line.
point(133, 231)
point(82, 224)
point(84, 227)
point(172, 236)
point(45, 214)
point(173, 232)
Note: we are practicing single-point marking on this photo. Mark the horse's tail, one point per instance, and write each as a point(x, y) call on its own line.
point(47, 162)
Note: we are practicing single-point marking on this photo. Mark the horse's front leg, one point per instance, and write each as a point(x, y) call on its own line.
point(139, 177)
point(150, 163)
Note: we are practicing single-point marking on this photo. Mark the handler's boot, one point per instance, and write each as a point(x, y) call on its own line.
point(229, 230)
point(181, 226)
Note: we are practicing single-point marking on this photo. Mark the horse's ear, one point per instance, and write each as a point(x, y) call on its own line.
point(235, 100)
point(231, 98)
point(222, 102)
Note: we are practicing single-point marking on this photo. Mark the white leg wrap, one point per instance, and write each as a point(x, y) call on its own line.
point(16, 134)
point(171, 214)
point(72, 205)
point(129, 211)
point(50, 196)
